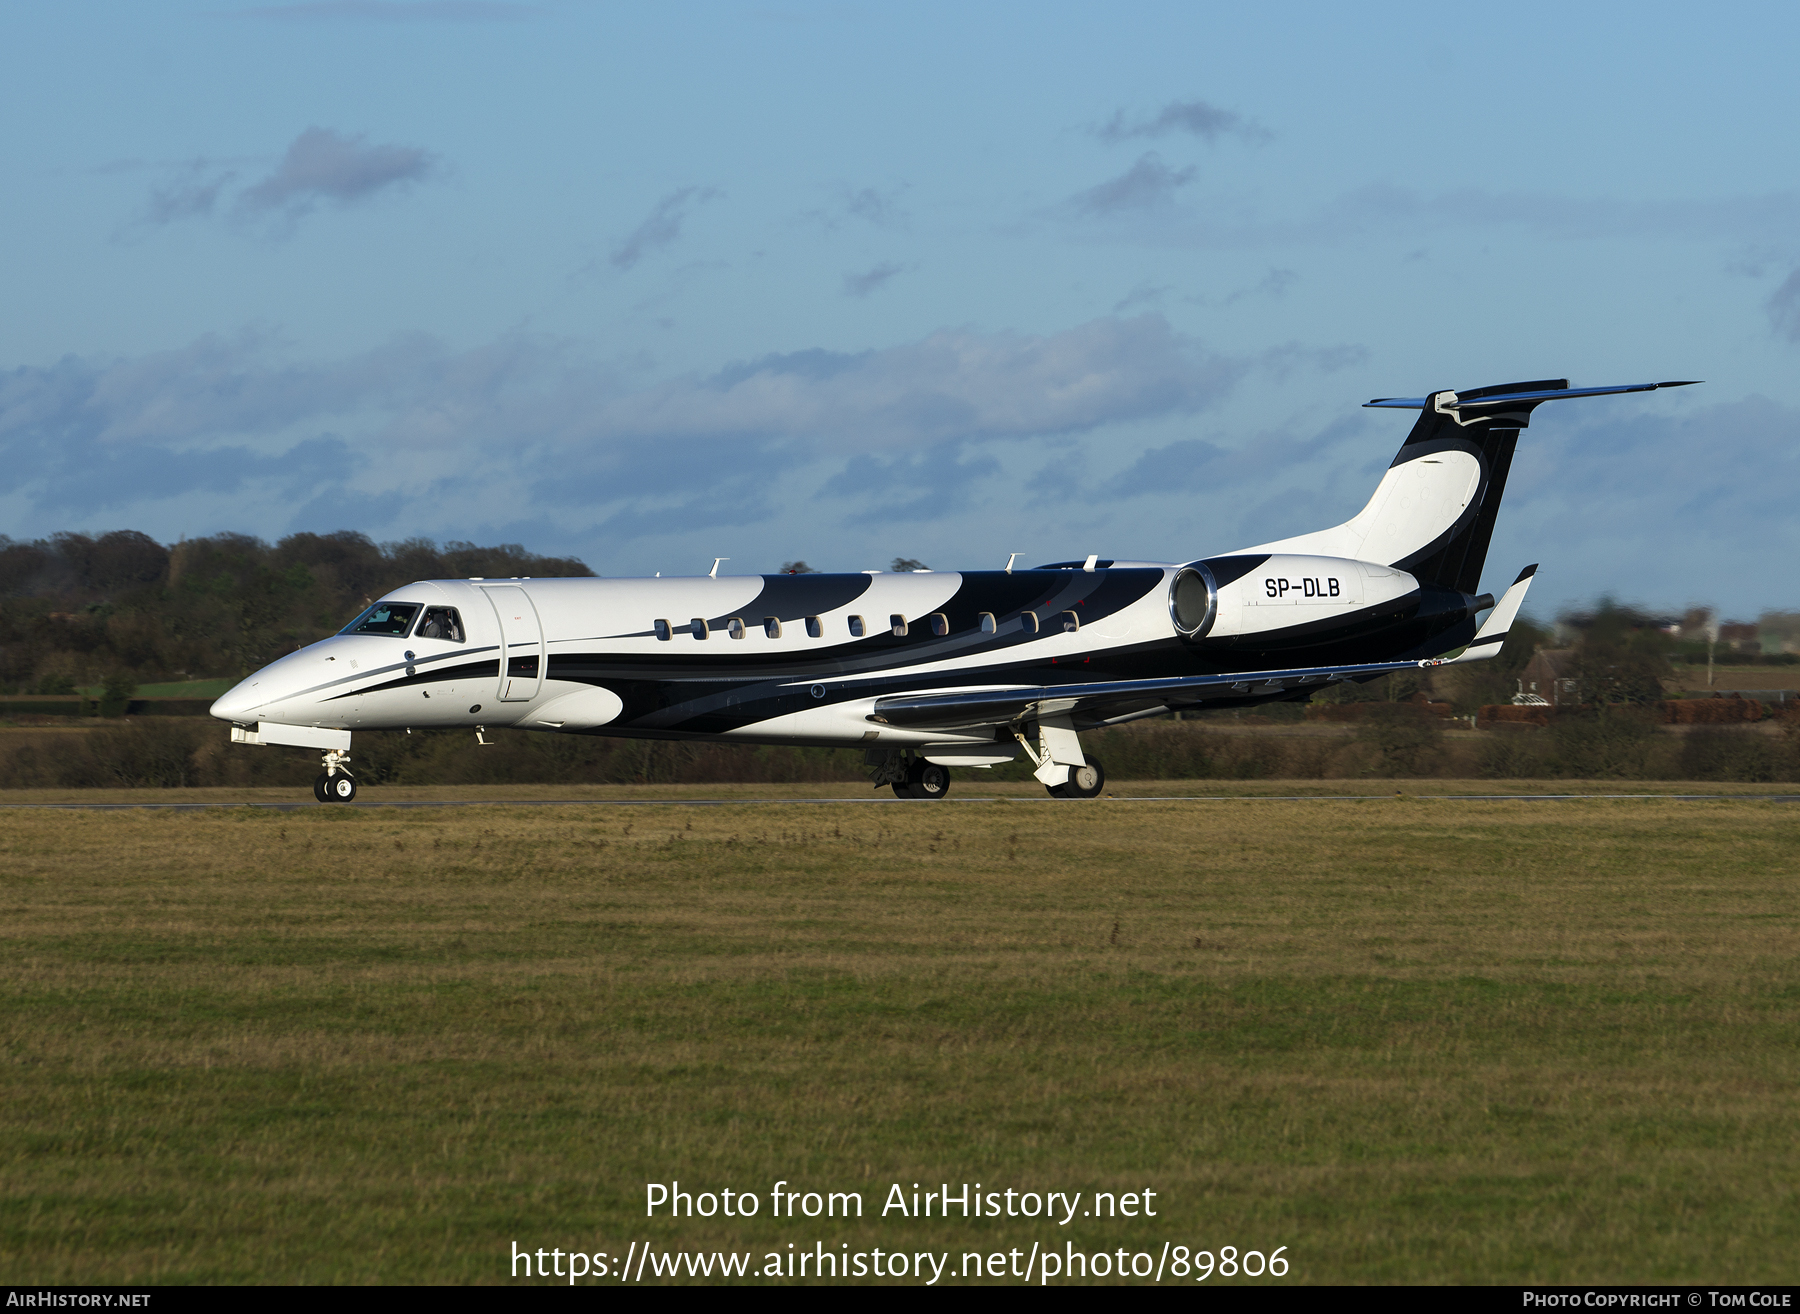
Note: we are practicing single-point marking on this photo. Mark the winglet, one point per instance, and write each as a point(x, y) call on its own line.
point(1493, 632)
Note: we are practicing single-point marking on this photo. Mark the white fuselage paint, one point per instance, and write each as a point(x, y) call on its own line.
point(1414, 503)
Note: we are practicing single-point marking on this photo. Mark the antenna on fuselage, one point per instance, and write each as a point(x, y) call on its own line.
point(714, 572)
point(1014, 557)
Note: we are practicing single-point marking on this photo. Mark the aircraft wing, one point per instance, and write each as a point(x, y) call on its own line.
point(1104, 702)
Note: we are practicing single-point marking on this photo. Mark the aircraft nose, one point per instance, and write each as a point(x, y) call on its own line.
point(240, 703)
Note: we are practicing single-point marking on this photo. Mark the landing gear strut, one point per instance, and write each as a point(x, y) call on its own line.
point(336, 785)
point(1056, 745)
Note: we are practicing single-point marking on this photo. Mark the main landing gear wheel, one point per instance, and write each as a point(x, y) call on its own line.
point(924, 780)
point(1084, 781)
point(338, 787)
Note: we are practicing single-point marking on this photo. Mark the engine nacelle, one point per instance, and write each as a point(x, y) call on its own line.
point(1226, 597)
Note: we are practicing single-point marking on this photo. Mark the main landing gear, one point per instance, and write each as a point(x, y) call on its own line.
point(911, 777)
point(336, 785)
point(1083, 782)
point(923, 780)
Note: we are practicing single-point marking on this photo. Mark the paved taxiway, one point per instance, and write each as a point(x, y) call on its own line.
point(299, 805)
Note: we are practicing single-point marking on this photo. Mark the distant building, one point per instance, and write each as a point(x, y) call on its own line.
point(1779, 631)
point(1740, 636)
point(1547, 679)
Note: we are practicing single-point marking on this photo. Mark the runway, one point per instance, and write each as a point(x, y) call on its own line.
point(300, 805)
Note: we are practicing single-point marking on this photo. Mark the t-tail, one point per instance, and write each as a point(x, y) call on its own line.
point(1433, 513)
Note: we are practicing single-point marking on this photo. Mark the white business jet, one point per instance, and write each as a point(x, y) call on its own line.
point(930, 670)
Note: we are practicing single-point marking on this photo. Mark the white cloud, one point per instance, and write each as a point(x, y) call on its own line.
point(319, 165)
point(1784, 308)
point(871, 280)
point(1196, 118)
point(662, 226)
point(1148, 184)
point(530, 423)
point(323, 165)
point(536, 440)
point(396, 11)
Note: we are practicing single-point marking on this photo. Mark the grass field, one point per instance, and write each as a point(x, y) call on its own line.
point(1410, 1041)
point(175, 689)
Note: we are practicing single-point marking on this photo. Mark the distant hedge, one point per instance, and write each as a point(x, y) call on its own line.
point(1399, 742)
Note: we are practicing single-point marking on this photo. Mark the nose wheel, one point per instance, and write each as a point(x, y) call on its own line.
point(335, 784)
point(335, 788)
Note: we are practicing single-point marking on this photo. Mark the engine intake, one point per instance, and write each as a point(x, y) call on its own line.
point(1193, 601)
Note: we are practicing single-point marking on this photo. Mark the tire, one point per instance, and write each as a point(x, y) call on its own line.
point(1057, 791)
point(319, 788)
point(933, 781)
point(923, 780)
point(1086, 781)
point(341, 788)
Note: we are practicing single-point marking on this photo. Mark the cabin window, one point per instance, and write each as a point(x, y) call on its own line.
point(441, 623)
point(735, 627)
point(988, 625)
point(523, 667)
point(1029, 620)
point(814, 629)
point(772, 627)
point(940, 624)
point(856, 627)
point(1070, 622)
point(662, 629)
point(391, 619)
point(698, 626)
point(897, 623)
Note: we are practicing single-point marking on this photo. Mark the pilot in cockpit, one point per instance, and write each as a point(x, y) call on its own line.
point(441, 623)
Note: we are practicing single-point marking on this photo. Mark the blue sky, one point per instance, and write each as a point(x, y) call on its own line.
point(654, 284)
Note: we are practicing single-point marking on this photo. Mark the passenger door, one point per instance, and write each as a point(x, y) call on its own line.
point(521, 643)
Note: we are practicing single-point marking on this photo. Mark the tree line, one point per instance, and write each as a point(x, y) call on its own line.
point(79, 609)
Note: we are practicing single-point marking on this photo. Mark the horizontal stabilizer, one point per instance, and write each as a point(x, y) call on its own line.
point(1453, 403)
point(1493, 632)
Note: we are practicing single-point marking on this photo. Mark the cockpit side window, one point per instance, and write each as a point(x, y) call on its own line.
point(392, 619)
point(441, 623)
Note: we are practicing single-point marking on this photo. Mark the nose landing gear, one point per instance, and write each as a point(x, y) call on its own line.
point(336, 785)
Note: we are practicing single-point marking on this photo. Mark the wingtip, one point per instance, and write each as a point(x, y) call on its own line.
point(1680, 383)
point(1527, 573)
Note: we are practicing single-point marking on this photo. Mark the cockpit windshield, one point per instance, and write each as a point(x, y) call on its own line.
point(392, 619)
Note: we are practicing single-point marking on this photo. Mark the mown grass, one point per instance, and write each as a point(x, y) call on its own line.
point(1410, 1041)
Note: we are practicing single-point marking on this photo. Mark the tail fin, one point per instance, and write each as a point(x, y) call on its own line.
point(1454, 557)
point(1433, 513)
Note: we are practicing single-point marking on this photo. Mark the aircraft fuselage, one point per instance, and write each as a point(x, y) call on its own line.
point(802, 659)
